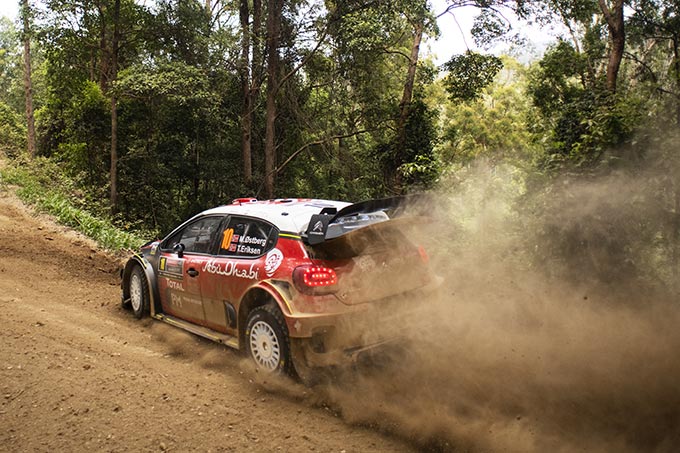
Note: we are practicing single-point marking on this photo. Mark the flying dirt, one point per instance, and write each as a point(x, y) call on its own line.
point(556, 328)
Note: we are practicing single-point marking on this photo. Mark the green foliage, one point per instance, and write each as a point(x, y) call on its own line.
point(469, 73)
point(420, 168)
point(495, 126)
point(40, 183)
point(580, 118)
point(558, 79)
point(10, 66)
point(12, 131)
point(179, 143)
point(176, 81)
point(488, 27)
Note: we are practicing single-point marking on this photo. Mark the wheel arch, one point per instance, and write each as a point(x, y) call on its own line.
point(256, 297)
point(137, 260)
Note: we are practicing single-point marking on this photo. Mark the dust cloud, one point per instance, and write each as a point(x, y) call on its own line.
point(556, 327)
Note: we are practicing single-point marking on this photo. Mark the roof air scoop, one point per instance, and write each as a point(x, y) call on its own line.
point(241, 201)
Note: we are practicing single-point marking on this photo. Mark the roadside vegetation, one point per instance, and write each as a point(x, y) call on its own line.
point(42, 184)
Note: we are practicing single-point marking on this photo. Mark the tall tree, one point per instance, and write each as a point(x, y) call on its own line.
point(247, 98)
point(274, 13)
point(28, 85)
point(407, 94)
point(113, 175)
point(613, 14)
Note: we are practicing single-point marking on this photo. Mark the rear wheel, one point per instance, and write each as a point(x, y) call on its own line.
point(267, 339)
point(138, 288)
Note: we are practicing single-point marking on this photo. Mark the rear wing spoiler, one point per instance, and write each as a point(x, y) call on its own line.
point(331, 223)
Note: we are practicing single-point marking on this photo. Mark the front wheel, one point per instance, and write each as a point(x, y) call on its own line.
point(138, 289)
point(267, 340)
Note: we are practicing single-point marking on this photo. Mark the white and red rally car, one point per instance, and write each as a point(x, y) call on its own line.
point(296, 283)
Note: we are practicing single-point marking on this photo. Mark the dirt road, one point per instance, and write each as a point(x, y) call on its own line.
point(77, 372)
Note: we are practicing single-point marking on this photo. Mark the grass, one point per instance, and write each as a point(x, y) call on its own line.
point(41, 184)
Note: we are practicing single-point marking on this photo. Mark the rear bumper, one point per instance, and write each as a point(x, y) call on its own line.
point(337, 339)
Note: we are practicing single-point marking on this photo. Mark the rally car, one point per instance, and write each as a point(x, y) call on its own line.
point(295, 283)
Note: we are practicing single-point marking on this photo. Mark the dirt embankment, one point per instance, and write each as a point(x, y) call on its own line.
point(78, 373)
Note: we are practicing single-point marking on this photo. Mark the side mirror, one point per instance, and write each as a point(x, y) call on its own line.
point(179, 250)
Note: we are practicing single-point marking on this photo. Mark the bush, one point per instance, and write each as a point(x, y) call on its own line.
point(40, 183)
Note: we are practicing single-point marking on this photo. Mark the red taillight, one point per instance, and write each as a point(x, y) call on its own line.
point(315, 279)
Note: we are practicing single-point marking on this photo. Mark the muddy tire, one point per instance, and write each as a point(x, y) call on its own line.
point(138, 289)
point(267, 342)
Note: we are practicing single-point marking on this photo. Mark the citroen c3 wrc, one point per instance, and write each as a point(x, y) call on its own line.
point(295, 283)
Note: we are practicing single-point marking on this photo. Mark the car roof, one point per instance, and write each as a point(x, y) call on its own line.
point(287, 214)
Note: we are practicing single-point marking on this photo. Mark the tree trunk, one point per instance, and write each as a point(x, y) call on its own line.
point(246, 107)
point(617, 38)
point(407, 95)
point(406, 99)
point(274, 9)
point(28, 85)
point(103, 50)
point(256, 73)
point(676, 69)
point(114, 109)
point(113, 175)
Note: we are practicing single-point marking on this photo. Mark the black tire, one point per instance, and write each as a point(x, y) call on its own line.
point(267, 341)
point(138, 290)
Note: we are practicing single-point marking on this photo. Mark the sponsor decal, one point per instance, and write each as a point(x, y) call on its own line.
point(173, 268)
point(248, 250)
point(316, 231)
point(253, 240)
point(242, 244)
point(227, 237)
point(232, 269)
point(273, 261)
point(154, 249)
point(178, 300)
point(172, 284)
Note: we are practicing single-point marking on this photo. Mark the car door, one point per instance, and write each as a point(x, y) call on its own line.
point(243, 244)
point(180, 268)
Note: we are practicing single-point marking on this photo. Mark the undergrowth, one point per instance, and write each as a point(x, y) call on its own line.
point(41, 184)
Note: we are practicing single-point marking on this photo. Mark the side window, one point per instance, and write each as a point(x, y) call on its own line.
point(197, 237)
point(247, 238)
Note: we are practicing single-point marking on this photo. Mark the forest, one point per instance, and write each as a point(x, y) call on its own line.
point(153, 111)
